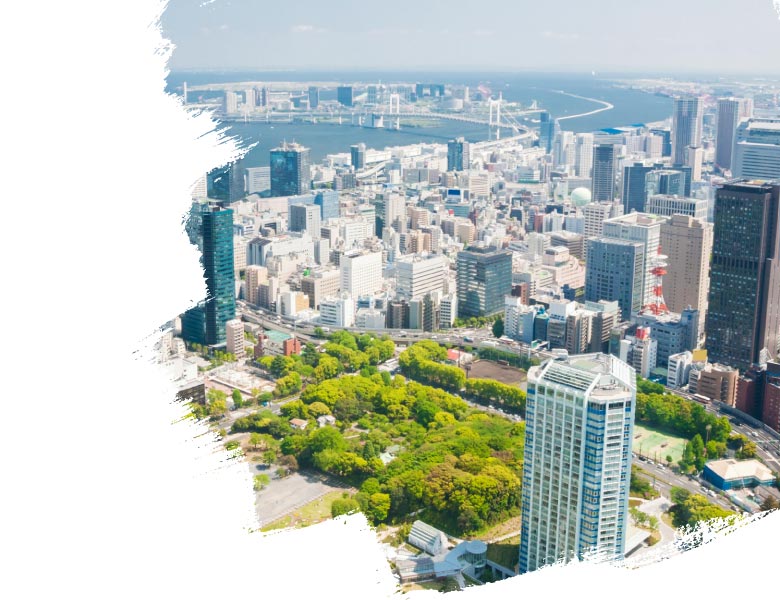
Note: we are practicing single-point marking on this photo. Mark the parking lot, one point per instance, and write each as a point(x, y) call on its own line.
point(284, 495)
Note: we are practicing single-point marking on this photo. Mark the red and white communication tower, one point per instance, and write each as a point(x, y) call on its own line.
point(657, 306)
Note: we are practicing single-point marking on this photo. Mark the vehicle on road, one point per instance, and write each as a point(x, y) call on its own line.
point(468, 339)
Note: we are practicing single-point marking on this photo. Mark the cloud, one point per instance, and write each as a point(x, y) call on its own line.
point(484, 32)
point(306, 29)
point(561, 36)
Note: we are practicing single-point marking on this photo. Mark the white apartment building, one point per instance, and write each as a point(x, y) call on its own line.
point(577, 466)
point(338, 312)
point(416, 275)
point(679, 369)
point(361, 273)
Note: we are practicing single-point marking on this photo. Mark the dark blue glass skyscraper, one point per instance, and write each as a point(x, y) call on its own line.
point(635, 186)
point(290, 173)
point(328, 201)
point(205, 324)
point(546, 131)
point(484, 278)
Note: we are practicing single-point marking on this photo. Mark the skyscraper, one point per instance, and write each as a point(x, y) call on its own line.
point(666, 143)
point(290, 172)
point(418, 275)
point(615, 271)
point(744, 300)
point(484, 277)
point(666, 181)
point(583, 154)
point(730, 112)
point(757, 149)
point(328, 201)
point(688, 244)
point(205, 324)
point(577, 461)
point(458, 156)
point(361, 272)
point(604, 162)
point(358, 156)
point(546, 131)
point(314, 96)
point(305, 217)
point(226, 183)
point(644, 228)
point(686, 127)
point(635, 186)
point(344, 95)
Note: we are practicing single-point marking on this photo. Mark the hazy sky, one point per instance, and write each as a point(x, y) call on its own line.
point(620, 35)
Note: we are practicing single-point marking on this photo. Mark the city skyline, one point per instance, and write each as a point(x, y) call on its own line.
point(156, 482)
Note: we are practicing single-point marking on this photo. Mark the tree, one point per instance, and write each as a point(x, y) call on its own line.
point(343, 506)
point(697, 446)
point(498, 327)
point(255, 395)
point(318, 409)
point(255, 440)
point(215, 394)
point(261, 481)
point(295, 410)
point(319, 332)
point(218, 408)
point(378, 507)
point(748, 450)
point(310, 356)
point(238, 398)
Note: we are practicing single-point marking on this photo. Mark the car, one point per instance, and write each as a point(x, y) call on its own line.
point(468, 339)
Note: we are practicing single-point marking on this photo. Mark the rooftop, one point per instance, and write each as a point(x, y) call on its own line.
point(603, 374)
point(637, 218)
point(731, 468)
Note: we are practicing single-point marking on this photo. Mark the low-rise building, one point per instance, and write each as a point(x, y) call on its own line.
point(730, 474)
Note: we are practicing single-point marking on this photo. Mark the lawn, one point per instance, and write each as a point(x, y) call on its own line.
point(656, 445)
point(315, 511)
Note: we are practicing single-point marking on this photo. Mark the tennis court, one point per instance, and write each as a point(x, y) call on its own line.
point(657, 446)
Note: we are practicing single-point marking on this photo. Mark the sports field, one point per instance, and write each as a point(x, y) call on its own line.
point(657, 446)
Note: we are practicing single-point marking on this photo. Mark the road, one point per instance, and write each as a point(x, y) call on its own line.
point(455, 337)
point(768, 447)
point(663, 479)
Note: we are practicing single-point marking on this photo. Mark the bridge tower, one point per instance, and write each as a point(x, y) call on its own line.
point(494, 116)
point(395, 104)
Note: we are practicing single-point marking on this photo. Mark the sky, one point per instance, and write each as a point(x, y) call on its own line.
point(707, 36)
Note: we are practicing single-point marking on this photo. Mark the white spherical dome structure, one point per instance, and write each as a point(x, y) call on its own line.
point(580, 197)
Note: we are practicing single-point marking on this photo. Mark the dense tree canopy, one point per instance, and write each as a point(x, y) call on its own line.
point(460, 466)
